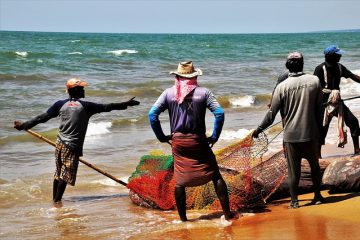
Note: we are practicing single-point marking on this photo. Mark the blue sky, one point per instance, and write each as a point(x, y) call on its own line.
point(185, 16)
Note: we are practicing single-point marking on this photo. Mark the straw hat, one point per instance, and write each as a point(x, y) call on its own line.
point(187, 70)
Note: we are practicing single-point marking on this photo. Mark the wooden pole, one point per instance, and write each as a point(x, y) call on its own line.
point(80, 159)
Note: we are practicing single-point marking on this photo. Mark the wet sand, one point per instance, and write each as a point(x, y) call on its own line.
point(337, 219)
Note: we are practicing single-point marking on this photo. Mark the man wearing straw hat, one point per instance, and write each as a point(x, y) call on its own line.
point(194, 161)
point(298, 98)
point(74, 117)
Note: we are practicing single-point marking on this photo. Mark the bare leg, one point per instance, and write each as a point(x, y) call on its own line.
point(180, 198)
point(222, 193)
point(55, 186)
point(356, 144)
point(61, 186)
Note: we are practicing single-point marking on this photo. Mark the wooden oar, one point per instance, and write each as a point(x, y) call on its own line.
point(80, 159)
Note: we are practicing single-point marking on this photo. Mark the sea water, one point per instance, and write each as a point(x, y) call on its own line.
point(240, 69)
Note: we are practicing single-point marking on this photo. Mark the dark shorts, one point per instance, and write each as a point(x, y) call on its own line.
point(67, 162)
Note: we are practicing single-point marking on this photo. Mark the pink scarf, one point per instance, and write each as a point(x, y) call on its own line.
point(183, 87)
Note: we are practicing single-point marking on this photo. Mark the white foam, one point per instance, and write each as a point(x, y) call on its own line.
point(98, 128)
point(224, 222)
point(22, 54)
point(121, 51)
point(75, 53)
point(106, 182)
point(232, 134)
point(73, 41)
point(243, 101)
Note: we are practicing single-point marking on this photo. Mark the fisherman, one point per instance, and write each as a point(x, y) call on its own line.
point(298, 98)
point(74, 118)
point(194, 161)
point(330, 73)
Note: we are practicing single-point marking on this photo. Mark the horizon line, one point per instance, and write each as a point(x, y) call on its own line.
point(318, 31)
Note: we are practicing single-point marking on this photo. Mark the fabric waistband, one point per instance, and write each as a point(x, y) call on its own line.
point(188, 135)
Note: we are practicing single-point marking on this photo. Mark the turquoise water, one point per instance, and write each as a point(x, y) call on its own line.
point(241, 69)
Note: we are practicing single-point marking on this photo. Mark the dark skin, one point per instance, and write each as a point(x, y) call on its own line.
point(221, 192)
point(59, 185)
point(334, 59)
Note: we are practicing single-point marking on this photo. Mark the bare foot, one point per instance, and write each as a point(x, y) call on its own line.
point(231, 216)
point(58, 204)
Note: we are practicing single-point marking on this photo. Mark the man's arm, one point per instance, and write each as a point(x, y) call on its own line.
point(219, 114)
point(356, 78)
point(52, 112)
point(93, 108)
point(33, 122)
point(123, 105)
point(270, 115)
point(348, 74)
point(155, 124)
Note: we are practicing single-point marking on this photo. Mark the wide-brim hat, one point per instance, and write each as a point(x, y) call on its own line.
point(187, 70)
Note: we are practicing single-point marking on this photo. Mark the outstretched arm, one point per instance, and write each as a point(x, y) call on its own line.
point(33, 122)
point(121, 106)
point(270, 115)
point(356, 78)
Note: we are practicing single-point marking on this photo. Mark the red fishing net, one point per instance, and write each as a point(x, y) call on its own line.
point(249, 178)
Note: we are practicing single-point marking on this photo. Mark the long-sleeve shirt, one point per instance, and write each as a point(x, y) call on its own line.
point(189, 116)
point(74, 117)
point(298, 99)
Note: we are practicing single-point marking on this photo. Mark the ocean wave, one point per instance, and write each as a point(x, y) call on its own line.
point(109, 182)
point(349, 87)
point(234, 134)
point(243, 101)
point(75, 53)
point(103, 61)
point(98, 128)
point(22, 54)
point(122, 51)
point(76, 40)
point(30, 77)
point(25, 137)
point(129, 121)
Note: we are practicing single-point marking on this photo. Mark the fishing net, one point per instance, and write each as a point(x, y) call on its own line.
point(249, 178)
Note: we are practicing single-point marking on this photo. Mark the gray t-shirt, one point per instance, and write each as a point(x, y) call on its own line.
point(298, 98)
point(74, 117)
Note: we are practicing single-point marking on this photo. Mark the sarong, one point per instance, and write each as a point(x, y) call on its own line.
point(194, 161)
point(67, 162)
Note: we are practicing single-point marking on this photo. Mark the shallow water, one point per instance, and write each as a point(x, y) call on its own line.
point(240, 69)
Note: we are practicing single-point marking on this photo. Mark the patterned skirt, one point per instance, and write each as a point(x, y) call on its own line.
point(67, 162)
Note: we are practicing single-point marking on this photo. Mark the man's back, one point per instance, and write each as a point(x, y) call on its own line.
point(189, 116)
point(299, 100)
